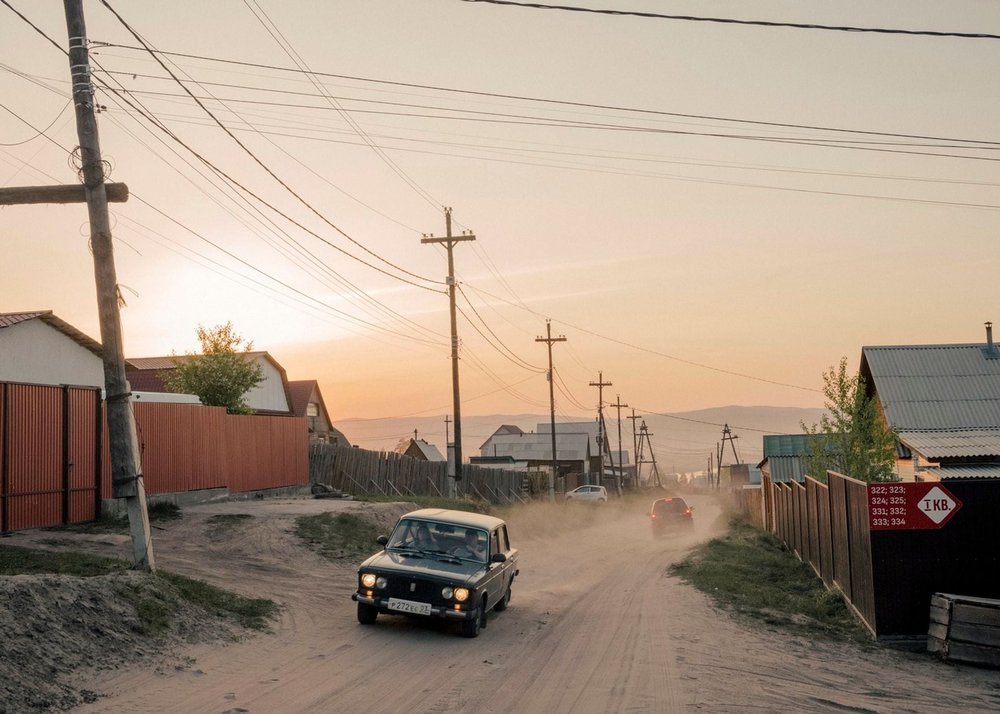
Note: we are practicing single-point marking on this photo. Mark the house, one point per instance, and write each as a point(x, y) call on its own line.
point(534, 450)
point(418, 449)
point(271, 397)
point(39, 348)
point(307, 401)
point(943, 403)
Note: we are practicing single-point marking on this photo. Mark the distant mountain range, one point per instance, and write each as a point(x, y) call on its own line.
point(681, 441)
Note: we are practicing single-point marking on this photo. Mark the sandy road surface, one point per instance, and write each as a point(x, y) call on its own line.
point(595, 625)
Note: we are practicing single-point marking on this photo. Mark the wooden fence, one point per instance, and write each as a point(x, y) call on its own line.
point(889, 576)
point(826, 526)
point(362, 472)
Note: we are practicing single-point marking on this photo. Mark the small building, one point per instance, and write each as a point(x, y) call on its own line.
point(270, 397)
point(307, 402)
point(417, 448)
point(943, 404)
point(785, 457)
point(39, 348)
point(573, 450)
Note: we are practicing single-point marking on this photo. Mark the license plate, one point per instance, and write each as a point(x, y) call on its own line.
point(417, 608)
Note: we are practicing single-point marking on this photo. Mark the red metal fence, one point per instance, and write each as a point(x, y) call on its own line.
point(55, 468)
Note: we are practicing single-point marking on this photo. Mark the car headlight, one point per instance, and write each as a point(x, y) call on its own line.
point(381, 582)
point(461, 594)
point(368, 580)
point(447, 592)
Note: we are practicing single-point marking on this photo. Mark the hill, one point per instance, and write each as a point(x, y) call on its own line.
point(682, 441)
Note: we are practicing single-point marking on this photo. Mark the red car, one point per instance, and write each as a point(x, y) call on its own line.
point(667, 513)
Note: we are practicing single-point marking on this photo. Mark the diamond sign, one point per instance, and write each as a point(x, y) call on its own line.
point(936, 504)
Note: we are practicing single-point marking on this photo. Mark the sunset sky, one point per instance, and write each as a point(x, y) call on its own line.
point(682, 199)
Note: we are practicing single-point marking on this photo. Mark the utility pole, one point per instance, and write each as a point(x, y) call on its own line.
point(635, 446)
point(644, 435)
point(447, 421)
point(126, 467)
point(621, 466)
point(548, 340)
point(601, 436)
point(449, 242)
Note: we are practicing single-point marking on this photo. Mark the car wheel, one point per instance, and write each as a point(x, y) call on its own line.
point(471, 628)
point(367, 614)
point(504, 601)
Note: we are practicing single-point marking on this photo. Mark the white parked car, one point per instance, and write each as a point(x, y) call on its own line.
point(588, 493)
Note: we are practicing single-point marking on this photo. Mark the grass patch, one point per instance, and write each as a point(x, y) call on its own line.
point(15, 560)
point(748, 571)
point(338, 536)
point(254, 613)
point(223, 524)
point(454, 504)
point(154, 605)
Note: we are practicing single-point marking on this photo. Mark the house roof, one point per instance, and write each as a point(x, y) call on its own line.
point(144, 374)
point(925, 387)
point(943, 401)
point(990, 471)
point(538, 447)
point(9, 319)
point(429, 451)
point(787, 445)
point(947, 444)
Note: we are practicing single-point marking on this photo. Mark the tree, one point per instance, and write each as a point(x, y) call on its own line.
point(852, 438)
point(221, 375)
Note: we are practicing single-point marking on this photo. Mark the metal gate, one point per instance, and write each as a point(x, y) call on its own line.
point(50, 455)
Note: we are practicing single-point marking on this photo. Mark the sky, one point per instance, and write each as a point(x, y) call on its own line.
point(711, 214)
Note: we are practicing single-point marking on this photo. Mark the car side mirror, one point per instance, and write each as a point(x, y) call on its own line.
point(382, 539)
point(499, 558)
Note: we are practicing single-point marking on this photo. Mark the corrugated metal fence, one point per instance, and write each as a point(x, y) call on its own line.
point(359, 472)
point(55, 468)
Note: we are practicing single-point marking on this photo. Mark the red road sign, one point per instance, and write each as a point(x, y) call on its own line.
point(898, 506)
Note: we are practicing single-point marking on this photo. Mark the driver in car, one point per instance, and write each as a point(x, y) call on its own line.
point(472, 548)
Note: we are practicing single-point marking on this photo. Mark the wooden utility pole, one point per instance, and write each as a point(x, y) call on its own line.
point(126, 468)
point(621, 466)
point(549, 339)
point(449, 242)
point(635, 445)
point(644, 435)
point(601, 436)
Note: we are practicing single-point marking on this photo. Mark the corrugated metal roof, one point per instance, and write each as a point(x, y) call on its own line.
point(969, 471)
point(538, 447)
point(950, 444)
point(786, 468)
point(925, 387)
point(787, 445)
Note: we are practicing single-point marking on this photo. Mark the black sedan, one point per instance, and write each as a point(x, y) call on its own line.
point(438, 563)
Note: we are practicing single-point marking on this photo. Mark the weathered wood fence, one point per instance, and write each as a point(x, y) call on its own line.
point(358, 471)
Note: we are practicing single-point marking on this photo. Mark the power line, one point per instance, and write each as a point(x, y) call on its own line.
point(733, 21)
point(543, 100)
point(264, 166)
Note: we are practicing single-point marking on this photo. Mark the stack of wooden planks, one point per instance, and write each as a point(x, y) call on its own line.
point(965, 629)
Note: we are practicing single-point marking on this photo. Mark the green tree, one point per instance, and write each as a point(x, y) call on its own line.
point(852, 438)
point(221, 375)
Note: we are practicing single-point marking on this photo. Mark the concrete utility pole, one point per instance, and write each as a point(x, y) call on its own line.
point(126, 468)
point(621, 466)
point(449, 242)
point(549, 339)
point(447, 421)
point(601, 437)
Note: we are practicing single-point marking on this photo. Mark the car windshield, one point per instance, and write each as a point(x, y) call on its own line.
point(420, 536)
point(670, 505)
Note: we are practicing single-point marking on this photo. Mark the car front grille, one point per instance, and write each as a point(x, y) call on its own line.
point(409, 588)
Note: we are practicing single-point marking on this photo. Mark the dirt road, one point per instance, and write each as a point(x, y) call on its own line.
point(595, 625)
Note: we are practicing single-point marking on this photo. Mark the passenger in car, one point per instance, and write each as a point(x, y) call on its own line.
point(423, 539)
point(472, 548)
